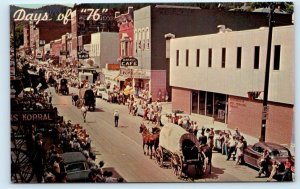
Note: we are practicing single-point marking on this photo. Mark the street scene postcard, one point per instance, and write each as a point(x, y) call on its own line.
point(152, 92)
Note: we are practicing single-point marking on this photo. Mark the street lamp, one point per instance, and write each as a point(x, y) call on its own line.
point(267, 73)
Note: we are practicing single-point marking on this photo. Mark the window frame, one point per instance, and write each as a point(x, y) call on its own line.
point(239, 57)
point(277, 55)
point(210, 57)
point(256, 57)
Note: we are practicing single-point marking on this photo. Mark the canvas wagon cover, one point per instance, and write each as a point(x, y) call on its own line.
point(170, 137)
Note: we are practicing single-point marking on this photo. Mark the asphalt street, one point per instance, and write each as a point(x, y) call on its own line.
point(121, 147)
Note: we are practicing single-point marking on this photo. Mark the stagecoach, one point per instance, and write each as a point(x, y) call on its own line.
point(181, 151)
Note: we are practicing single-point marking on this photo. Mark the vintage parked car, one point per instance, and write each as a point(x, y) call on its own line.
point(278, 153)
point(76, 167)
point(99, 91)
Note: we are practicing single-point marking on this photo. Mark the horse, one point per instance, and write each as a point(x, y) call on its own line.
point(149, 139)
point(208, 154)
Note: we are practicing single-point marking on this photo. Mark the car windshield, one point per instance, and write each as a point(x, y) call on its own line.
point(280, 153)
point(73, 167)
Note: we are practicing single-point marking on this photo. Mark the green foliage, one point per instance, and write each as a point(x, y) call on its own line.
point(19, 34)
point(285, 6)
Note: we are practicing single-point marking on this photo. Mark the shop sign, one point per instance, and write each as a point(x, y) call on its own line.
point(83, 54)
point(40, 116)
point(125, 72)
point(134, 73)
point(130, 61)
point(64, 53)
point(113, 66)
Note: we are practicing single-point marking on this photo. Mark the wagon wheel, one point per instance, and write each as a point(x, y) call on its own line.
point(174, 164)
point(180, 165)
point(201, 166)
point(159, 156)
point(21, 168)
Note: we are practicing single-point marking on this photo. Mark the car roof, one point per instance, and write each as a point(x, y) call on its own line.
point(71, 157)
point(272, 146)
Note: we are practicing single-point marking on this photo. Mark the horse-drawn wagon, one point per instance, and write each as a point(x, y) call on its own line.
point(181, 151)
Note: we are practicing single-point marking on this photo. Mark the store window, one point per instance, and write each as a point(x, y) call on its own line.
point(209, 104)
point(219, 107)
point(202, 95)
point(195, 97)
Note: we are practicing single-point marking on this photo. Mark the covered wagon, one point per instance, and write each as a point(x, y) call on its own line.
point(181, 151)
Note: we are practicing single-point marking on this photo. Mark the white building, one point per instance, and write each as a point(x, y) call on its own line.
point(211, 75)
point(104, 48)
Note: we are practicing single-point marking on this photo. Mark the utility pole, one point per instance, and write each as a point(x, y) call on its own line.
point(266, 85)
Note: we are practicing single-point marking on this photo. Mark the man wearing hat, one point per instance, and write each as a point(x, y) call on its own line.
point(116, 116)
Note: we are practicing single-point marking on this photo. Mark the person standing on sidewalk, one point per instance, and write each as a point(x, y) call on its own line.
point(116, 116)
point(264, 162)
point(83, 112)
point(231, 148)
point(50, 97)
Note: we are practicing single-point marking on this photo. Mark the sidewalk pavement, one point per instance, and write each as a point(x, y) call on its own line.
point(207, 122)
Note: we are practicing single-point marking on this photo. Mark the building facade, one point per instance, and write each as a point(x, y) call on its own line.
point(126, 45)
point(26, 38)
point(104, 48)
point(82, 28)
point(150, 28)
point(39, 35)
point(56, 47)
point(212, 75)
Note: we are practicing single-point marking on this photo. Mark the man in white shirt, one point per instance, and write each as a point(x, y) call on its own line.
point(232, 147)
point(116, 116)
point(84, 111)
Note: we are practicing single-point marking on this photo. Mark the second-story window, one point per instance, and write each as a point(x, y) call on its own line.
point(177, 57)
point(223, 57)
point(239, 57)
point(276, 57)
point(209, 57)
point(197, 57)
point(256, 57)
point(187, 57)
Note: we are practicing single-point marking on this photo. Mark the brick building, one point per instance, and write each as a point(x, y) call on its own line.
point(152, 23)
point(26, 37)
point(126, 45)
point(56, 47)
point(44, 32)
point(212, 75)
point(82, 28)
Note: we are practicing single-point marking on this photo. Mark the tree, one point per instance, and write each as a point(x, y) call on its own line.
point(285, 6)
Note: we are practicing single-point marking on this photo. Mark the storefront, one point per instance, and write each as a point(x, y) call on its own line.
point(210, 104)
point(138, 78)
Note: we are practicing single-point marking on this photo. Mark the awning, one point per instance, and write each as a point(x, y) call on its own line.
point(120, 78)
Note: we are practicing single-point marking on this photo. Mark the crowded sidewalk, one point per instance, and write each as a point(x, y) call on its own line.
point(207, 122)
